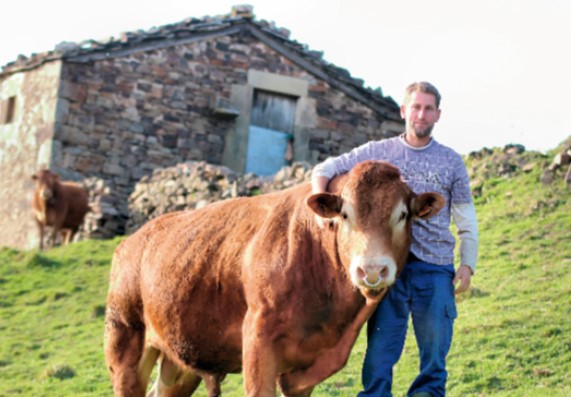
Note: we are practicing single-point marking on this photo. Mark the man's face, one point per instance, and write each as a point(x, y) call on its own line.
point(420, 114)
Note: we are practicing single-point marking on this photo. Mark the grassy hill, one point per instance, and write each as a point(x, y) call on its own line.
point(512, 336)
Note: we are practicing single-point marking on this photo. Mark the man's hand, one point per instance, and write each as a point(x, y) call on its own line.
point(463, 274)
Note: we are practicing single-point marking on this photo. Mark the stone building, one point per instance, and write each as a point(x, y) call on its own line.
point(229, 90)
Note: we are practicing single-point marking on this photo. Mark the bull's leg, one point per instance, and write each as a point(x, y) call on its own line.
point(212, 383)
point(53, 235)
point(260, 367)
point(304, 393)
point(128, 362)
point(147, 363)
point(332, 360)
point(41, 230)
point(173, 382)
point(66, 235)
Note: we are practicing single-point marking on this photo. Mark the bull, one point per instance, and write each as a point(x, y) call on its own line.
point(256, 285)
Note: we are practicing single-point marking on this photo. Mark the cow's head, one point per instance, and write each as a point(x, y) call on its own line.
point(46, 183)
point(373, 210)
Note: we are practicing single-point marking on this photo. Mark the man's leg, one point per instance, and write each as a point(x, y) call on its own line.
point(433, 311)
point(386, 333)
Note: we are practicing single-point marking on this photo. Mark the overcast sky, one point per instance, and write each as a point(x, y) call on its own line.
point(502, 66)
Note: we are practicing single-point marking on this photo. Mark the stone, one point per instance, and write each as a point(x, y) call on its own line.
point(547, 177)
point(562, 159)
point(528, 167)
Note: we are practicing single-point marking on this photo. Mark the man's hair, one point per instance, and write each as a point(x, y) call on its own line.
point(422, 86)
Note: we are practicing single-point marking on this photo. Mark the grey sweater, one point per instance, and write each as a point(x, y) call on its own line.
point(434, 168)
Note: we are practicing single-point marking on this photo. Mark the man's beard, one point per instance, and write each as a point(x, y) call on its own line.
point(422, 132)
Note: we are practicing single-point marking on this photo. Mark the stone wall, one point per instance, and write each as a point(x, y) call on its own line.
point(121, 118)
point(193, 184)
point(25, 146)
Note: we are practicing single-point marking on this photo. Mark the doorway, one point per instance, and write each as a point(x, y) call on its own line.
point(270, 135)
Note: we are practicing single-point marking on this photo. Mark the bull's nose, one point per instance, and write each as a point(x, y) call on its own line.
point(373, 272)
point(373, 275)
point(46, 194)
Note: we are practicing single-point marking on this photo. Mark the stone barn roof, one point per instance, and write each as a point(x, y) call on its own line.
point(240, 21)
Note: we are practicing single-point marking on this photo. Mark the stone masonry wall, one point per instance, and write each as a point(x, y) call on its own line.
point(25, 146)
point(193, 184)
point(121, 118)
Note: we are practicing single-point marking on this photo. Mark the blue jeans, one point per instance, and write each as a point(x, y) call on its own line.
point(426, 292)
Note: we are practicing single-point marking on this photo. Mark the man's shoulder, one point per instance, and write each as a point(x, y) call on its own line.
point(386, 142)
point(447, 151)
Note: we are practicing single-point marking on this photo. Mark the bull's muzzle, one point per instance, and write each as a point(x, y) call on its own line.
point(46, 194)
point(373, 274)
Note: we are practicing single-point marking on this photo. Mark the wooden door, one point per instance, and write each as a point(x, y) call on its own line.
point(271, 132)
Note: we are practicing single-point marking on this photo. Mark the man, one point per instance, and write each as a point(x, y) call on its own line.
point(425, 289)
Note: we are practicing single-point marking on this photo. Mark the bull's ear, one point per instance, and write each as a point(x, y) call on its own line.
point(426, 205)
point(326, 205)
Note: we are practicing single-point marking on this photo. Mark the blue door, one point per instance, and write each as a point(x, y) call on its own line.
point(266, 150)
point(271, 133)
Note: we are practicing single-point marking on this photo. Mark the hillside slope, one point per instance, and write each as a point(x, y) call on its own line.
point(513, 334)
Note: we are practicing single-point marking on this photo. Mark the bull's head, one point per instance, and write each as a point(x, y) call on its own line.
point(45, 183)
point(373, 210)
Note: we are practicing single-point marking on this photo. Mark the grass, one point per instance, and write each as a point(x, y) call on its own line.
point(51, 320)
point(512, 336)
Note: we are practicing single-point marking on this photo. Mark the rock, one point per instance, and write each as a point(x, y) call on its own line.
point(505, 169)
point(547, 177)
point(562, 159)
point(528, 167)
point(514, 149)
point(192, 185)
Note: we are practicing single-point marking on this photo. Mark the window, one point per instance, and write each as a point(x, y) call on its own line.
point(8, 110)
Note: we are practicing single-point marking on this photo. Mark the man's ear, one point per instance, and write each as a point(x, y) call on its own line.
point(326, 205)
point(426, 205)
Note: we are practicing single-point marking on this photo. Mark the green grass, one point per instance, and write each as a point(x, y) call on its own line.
point(512, 336)
point(51, 320)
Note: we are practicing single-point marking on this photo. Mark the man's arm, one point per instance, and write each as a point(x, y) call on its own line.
point(319, 184)
point(325, 171)
point(464, 216)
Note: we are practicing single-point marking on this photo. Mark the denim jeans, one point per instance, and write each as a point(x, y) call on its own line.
point(425, 291)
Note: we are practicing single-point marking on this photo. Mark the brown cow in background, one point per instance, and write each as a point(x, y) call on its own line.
point(61, 205)
point(254, 284)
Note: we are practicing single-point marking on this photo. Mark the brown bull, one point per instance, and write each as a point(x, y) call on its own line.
point(254, 284)
point(61, 205)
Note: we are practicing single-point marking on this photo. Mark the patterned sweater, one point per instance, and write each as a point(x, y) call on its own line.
point(434, 168)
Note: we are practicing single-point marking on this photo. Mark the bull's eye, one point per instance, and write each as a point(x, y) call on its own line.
point(402, 216)
point(344, 215)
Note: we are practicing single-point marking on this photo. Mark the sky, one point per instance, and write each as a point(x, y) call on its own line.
point(501, 66)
